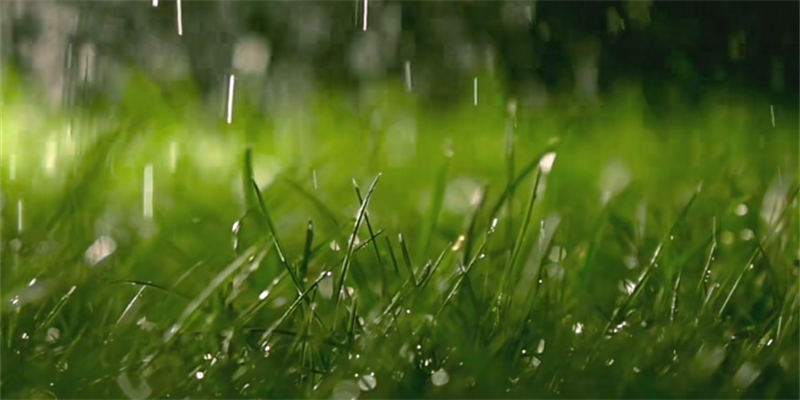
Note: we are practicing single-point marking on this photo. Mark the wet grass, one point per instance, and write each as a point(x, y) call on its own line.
point(643, 261)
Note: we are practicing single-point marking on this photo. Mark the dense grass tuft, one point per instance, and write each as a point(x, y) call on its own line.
point(535, 255)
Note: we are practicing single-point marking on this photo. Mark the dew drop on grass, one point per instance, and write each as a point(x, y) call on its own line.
point(547, 161)
point(367, 382)
point(346, 390)
point(440, 377)
point(199, 375)
point(52, 335)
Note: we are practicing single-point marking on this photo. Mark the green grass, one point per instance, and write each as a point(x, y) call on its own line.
point(652, 261)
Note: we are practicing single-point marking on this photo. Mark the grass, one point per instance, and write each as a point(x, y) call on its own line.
point(647, 261)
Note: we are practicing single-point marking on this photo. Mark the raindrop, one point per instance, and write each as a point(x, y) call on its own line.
point(263, 295)
point(614, 178)
point(741, 210)
point(547, 161)
point(493, 227)
point(52, 335)
point(407, 68)
point(366, 14)
point(627, 286)
point(141, 390)
point(577, 328)
point(231, 88)
point(440, 377)
point(610, 362)
point(746, 375)
point(367, 382)
point(710, 360)
point(147, 199)
point(179, 18)
point(20, 209)
point(346, 390)
point(459, 242)
point(25, 336)
point(540, 347)
point(475, 91)
point(101, 249)
point(199, 375)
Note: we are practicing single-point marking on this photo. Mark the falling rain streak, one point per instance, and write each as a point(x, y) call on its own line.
point(772, 114)
point(366, 12)
point(231, 88)
point(180, 18)
point(475, 91)
point(407, 69)
point(20, 209)
point(147, 201)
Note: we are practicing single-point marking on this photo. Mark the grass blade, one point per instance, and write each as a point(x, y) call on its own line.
point(351, 245)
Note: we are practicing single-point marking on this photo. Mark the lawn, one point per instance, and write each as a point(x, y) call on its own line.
point(398, 250)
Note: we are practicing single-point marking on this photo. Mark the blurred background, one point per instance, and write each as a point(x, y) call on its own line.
point(676, 50)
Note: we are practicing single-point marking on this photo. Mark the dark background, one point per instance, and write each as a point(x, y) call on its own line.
point(696, 35)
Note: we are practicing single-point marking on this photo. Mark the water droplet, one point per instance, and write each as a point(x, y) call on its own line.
point(139, 390)
point(546, 162)
point(440, 377)
point(493, 227)
point(334, 246)
point(263, 295)
point(746, 375)
point(101, 249)
point(367, 382)
point(52, 335)
point(540, 347)
point(25, 336)
point(577, 328)
point(475, 91)
point(610, 362)
point(459, 242)
point(147, 192)
point(741, 210)
point(747, 234)
point(346, 390)
point(199, 375)
point(627, 286)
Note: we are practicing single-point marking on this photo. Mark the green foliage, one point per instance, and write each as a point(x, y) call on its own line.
point(662, 290)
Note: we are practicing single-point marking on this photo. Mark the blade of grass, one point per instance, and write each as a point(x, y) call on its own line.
point(391, 254)
point(436, 208)
point(276, 241)
point(302, 271)
point(407, 258)
point(529, 168)
point(213, 285)
point(303, 296)
point(351, 245)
